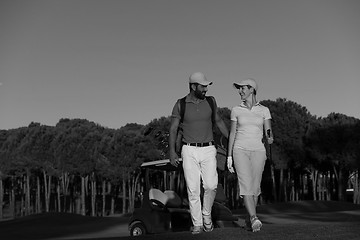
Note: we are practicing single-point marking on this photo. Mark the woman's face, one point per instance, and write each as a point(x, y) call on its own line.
point(245, 92)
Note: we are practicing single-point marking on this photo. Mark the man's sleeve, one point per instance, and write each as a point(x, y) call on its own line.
point(233, 114)
point(176, 110)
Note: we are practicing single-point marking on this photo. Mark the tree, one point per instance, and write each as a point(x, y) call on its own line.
point(4, 168)
point(131, 149)
point(290, 122)
point(158, 131)
point(332, 143)
point(75, 156)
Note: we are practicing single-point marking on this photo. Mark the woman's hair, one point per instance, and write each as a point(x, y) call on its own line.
point(254, 92)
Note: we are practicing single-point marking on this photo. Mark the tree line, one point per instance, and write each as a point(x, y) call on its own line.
point(81, 167)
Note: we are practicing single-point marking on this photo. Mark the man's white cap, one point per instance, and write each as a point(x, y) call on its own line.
point(251, 82)
point(199, 78)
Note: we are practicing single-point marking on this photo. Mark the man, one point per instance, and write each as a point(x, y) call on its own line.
point(198, 151)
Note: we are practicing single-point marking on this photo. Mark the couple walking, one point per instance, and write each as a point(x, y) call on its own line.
point(196, 114)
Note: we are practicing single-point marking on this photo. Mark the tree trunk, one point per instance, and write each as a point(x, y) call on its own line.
point(342, 185)
point(129, 183)
point(22, 203)
point(292, 186)
point(47, 189)
point(274, 191)
point(93, 195)
point(356, 197)
point(328, 186)
point(1, 197)
point(82, 203)
point(281, 184)
point(12, 199)
point(58, 191)
point(38, 196)
point(64, 183)
point(287, 182)
point(314, 176)
point(112, 206)
point(124, 196)
point(78, 202)
point(303, 184)
point(321, 187)
point(132, 191)
point(27, 194)
point(103, 187)
point(112, 202)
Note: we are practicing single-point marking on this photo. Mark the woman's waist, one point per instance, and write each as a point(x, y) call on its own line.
point(249, 144)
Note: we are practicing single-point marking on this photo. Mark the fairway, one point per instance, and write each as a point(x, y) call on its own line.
point(295, 220)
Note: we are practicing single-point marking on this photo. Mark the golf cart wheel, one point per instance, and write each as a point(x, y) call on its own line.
point(137, 229)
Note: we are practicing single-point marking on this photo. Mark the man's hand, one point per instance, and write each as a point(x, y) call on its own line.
point(230, 164)
point(174, 159)
point(270, 140)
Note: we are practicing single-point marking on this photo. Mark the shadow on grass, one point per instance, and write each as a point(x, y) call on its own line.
point(306, 212)
point(303, 207)
point(308, 207)
point(303, 219)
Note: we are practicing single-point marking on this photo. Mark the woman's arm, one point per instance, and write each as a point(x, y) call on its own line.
point(231, 146)
point(268, 131)
point(231, 137)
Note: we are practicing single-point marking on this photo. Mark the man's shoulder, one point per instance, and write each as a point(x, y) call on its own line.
point(211, 99)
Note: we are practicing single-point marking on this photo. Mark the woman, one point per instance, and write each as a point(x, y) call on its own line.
point(248, 122)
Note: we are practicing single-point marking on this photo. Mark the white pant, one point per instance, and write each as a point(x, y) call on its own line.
point(200, 163)
point(249, 166)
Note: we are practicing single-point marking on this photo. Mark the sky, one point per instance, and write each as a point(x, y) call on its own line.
point(128, 61)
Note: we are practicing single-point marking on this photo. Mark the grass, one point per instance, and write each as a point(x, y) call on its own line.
point(58, 225)
point(293, 220)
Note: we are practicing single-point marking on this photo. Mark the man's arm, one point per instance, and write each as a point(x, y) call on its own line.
point(222, 127)
point(220, 123)
point(174, 158)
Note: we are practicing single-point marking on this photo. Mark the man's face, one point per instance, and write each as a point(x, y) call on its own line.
point(200, 91)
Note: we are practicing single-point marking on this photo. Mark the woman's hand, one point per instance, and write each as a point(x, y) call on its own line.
point(230, 164)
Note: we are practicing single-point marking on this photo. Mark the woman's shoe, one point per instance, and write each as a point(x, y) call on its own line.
point(208, 225)
point(255, 224)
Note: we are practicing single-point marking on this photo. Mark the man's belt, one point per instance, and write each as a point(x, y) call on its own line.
point(205, 144)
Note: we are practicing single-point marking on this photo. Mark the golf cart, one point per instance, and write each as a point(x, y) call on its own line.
point(164, 210)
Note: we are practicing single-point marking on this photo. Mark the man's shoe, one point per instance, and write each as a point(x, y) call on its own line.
point(208, 225)
point(196, 230)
